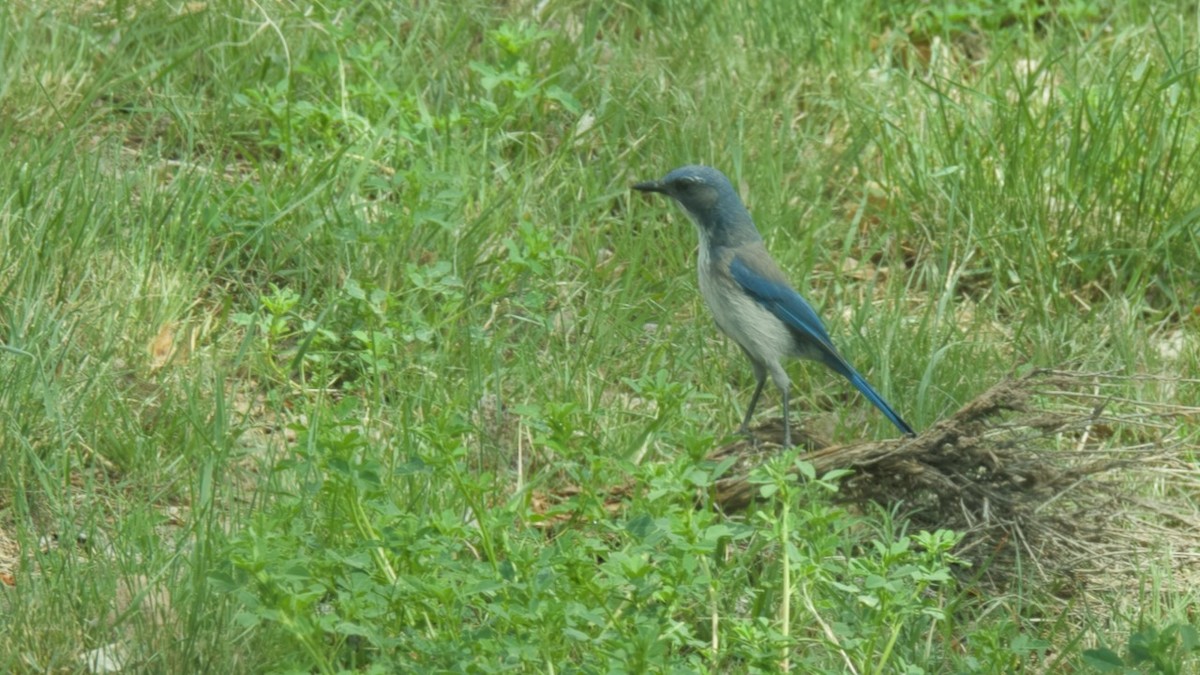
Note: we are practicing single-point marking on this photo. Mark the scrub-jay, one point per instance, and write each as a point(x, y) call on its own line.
point(747, 292)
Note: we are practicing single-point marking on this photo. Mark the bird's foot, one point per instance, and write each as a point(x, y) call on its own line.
point(745, 431)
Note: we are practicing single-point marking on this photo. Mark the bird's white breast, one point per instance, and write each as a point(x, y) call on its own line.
point(739, 316)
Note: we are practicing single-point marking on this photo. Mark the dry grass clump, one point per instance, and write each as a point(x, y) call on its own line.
point(1054, 472)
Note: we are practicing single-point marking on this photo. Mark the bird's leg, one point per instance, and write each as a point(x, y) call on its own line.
point(781, 380)
point(760, 376)
point(762, 380)
point(787, 424)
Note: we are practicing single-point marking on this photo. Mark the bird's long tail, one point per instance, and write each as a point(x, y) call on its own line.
point(874, 397)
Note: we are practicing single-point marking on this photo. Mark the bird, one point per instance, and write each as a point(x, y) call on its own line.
point(749, 295)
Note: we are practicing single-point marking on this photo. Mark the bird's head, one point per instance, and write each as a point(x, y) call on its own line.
point(708, 197)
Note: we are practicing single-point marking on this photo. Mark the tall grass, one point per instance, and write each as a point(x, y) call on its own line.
point(304, 310)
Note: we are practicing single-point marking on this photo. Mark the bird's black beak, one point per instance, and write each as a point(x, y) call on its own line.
point(650, 186)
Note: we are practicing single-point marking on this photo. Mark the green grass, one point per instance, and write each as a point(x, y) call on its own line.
point(302, 309)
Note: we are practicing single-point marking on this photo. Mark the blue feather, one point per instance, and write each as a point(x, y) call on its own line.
point(874, 397)
point(811, 337)
point(783, 302)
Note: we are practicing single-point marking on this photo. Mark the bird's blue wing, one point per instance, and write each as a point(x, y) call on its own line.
point(769, 290)
point(782, 301)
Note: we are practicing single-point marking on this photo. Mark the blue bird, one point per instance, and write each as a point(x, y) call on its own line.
point(749, 295)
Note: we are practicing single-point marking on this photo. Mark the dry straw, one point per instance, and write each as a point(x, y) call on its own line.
point(1055, 473)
